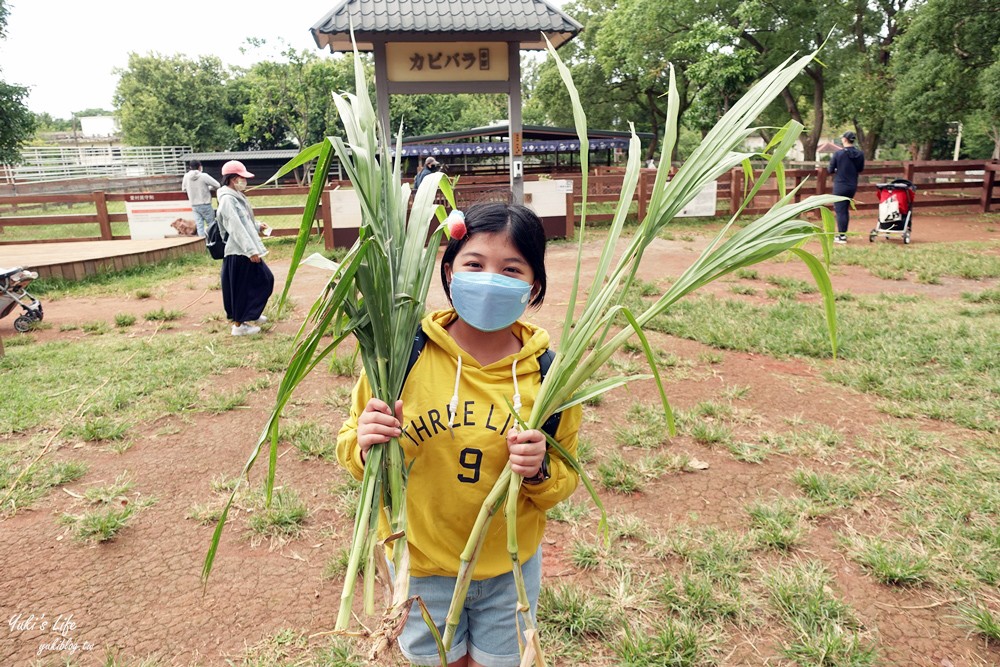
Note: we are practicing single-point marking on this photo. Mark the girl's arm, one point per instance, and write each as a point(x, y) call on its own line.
point(563, 479)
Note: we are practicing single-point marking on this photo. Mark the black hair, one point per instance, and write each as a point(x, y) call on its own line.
point(228, 177)
point(194, 164)
point(522, 227)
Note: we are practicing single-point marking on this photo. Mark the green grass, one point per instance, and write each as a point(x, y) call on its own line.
point(585, 556)
point(646, 427)
point(126, 380)
point(36, 480)
point(667, 642)
point(837, 490)
point(697, 595)
point(284, 518)
point(111, 511)
point(618, 475)
point(571, 612)
point(124, 320)
point(891, 562)
point(314, 441)
point(163, 315)
point(938, 364)
point(978, 618)
point(337, 564)
point(776, 525)
point(95, 429)
point(971, 260)
point(824, 630)
point(570, 511)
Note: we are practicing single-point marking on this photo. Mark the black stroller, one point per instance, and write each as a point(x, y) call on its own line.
point(895, 209)
point(12, 293)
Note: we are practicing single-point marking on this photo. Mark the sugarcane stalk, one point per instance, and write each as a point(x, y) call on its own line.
point(362, 538)
point(470, 554)
point(523, 603)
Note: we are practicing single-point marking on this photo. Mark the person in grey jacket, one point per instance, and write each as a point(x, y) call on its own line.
point(199, 186)
point(247, 282)
point(845, 165)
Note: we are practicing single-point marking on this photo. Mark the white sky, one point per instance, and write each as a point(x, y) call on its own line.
point(65, 51)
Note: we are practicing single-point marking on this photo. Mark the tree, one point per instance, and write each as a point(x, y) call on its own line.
point(937, 63)
point(174, 101)
point(17, 124)
point(989, 91)
point(291, 98)
point(609, 100)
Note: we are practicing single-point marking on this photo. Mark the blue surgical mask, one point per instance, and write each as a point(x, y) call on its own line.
point(488, 301)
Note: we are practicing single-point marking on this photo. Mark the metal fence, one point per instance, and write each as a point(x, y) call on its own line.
point(58, 163)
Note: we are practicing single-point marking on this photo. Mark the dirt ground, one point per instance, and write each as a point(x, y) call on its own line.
point(140, 596)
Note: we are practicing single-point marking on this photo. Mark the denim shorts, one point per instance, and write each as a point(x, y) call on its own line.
point(486, 630)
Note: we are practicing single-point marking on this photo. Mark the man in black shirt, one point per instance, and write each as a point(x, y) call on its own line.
point(845, 165)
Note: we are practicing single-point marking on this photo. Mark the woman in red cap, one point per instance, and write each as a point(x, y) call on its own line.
point(247, 282)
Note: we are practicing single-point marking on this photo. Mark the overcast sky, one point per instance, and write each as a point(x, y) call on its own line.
point(66, 51)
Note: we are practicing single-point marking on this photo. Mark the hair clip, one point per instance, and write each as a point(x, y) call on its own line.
point(456, 224)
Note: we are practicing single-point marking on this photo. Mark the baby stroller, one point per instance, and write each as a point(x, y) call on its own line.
point(895, 209)
point(12, 293)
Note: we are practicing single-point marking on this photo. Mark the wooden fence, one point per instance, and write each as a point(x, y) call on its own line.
point(940, 184)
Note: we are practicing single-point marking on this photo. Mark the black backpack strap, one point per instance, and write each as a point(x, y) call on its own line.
point(419, 341)
point(545, 360)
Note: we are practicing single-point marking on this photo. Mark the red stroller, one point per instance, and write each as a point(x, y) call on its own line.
point(895, 209)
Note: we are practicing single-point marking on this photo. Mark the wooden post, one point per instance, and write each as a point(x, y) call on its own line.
point(821, 174)
point(570, 216)
point(101, 203)
point(989, 179)
point(514, 129)
point(326, 210)
point(909, 171)
point(735, 198)
point(643, 196)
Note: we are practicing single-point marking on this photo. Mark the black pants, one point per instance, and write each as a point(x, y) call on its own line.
point(246, 287)
point(843, 208)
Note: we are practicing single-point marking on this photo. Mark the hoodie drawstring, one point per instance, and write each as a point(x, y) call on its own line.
point(453, 406)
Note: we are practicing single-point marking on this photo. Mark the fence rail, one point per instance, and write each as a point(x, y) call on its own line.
point(42, 164)
point(941, 184)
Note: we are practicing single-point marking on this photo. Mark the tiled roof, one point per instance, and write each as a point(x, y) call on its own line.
point(399, 19)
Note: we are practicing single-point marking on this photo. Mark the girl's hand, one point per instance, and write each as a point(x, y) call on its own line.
point(376, 424)
point(527, 451)
point(255, 259)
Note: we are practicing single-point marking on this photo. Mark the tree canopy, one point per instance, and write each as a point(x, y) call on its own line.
point(175, 101)
point(895, 71)
point(17, 123)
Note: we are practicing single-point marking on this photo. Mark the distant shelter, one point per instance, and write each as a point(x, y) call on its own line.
point(479, 151)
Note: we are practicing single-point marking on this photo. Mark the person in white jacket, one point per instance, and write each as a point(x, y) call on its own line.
point(247, 282)
point(199, 187)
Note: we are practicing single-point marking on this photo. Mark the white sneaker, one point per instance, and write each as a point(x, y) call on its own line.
point(840, 239)
point(245, 329)
point(261, 320)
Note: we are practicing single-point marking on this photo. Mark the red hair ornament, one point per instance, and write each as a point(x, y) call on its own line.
point(456, 224)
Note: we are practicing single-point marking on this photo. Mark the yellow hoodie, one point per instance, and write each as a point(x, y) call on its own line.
point(451, 476)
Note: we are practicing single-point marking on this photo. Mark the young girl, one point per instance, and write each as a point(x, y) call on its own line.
point(247, 282)
point(455, 431)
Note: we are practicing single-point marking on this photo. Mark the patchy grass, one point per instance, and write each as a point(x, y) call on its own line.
point(938, 365)
point(110, 511)
point(34, 478)
point(824, 630)
point(283, 519)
